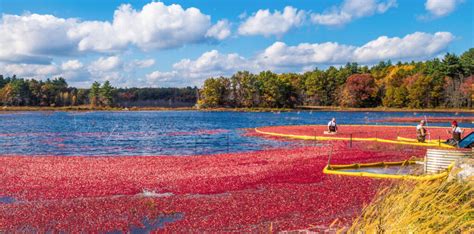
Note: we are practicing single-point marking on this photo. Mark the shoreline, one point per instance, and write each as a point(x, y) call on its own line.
point(224, 109)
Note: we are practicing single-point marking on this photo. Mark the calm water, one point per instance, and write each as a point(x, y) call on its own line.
point(158, 133)
point(410, 169)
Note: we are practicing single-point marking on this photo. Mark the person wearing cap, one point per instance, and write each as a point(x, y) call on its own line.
point(332, 126)
point(421, 131)
point(455, 132)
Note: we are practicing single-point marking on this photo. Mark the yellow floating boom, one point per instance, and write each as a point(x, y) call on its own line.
point(335, 170)
point(400, 140)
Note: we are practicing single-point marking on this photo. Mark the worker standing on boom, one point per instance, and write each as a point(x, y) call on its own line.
point(455, 132)
point(421, 131)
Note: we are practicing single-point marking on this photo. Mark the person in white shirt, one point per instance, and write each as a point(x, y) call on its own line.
point(332, 126)
point(421, 131)
point(456, 133)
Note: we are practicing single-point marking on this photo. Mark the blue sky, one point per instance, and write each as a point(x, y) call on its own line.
point(181, 43)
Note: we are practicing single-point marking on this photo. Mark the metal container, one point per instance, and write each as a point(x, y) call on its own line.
point(438, 160)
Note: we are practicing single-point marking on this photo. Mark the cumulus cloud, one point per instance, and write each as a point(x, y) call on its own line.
point(70, 69)
point(30, 70)
point(417, 45)
point(106, 64)
point(440, 8)
point(157, 77)
point(34, 38)
point(219, 31)
point(211, 62)
point(72, 65)
point(193, 72)
point(351, 10)
point(143, 63)
point(280, 57)
point(156, 26)
point(113, 68)
point(160, 26)
point(412, 46)
point(265, 23)
point(75, 74)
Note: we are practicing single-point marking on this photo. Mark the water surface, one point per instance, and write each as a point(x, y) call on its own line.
point(161, 132)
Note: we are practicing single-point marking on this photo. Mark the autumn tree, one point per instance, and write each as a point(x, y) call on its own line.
point(296, 83)
point(316, 84)
point(418, 87)
point(274, 91)
point(212, 93)
point(467, 91)
point(394, 91)
point(359, 91)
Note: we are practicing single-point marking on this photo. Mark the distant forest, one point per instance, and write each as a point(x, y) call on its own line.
point(56, 92)
point(445, 83)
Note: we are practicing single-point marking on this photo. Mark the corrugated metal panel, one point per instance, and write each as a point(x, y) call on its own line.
point(437, 160)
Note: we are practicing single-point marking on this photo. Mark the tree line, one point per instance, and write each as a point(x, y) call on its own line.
point(446, 82)
point(56, 92)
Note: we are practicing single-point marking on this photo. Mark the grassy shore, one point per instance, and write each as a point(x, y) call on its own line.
point(259, 109)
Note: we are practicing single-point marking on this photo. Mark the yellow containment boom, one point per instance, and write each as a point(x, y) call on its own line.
point(336, 170)
point(400, 140)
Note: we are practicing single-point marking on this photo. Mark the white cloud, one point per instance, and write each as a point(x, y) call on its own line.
point(280, 57)
point(440, 8)
point(111, 68)
point(73, 71)
point(96, 36)
point(243, 15)
point(72, 65)
point(412, 46)
point(277, 23)
point(34, 38)
point(106, 64)
point(211, 62)
point(351, 10)
point(417, 45)
point(189, 72)
point(160, 26)
point(30, 70)
point(158, 76)
point(219, 31)
point(143, 63)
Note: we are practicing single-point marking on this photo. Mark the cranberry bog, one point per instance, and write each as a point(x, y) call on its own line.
point(273, 187)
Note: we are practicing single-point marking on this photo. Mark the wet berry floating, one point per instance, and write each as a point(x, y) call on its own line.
point(281, 189)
